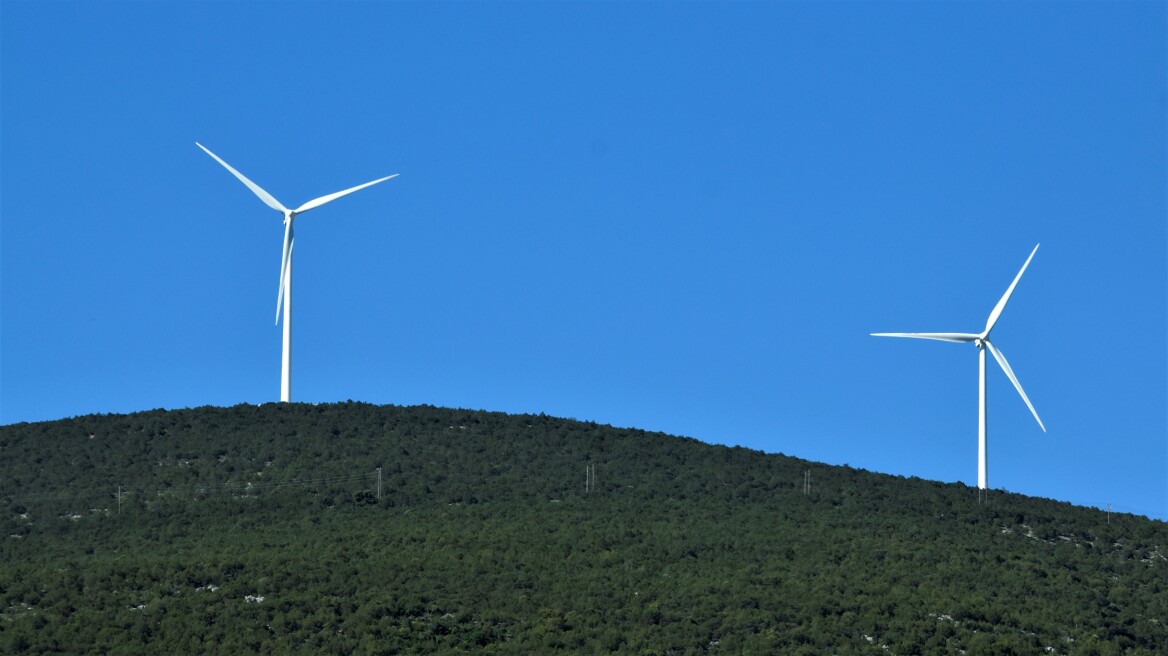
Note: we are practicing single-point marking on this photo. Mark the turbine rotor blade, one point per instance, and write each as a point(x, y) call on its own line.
point(1014, 379)
point(997, 312)
point(284, 260)
point(959, 338)
point(263, 195)
point(317, 202)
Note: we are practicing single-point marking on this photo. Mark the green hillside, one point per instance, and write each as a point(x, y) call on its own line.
point(260, 529)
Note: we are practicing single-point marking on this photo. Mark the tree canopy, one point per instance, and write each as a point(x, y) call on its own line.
point(353, 528)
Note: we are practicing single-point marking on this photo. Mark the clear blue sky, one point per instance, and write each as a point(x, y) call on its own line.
point(678, 217)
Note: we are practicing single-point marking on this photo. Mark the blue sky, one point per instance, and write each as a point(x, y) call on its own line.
point(678, 217)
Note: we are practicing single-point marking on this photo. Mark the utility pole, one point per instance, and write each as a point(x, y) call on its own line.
point(379, 483)
point(120, 500)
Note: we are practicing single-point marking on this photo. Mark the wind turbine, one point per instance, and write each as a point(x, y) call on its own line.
point(284, 295)
point(982, 341)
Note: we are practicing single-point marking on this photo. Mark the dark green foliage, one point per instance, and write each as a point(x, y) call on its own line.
point(259, 529)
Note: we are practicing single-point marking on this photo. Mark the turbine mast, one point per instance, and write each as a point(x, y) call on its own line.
point(286, 359)
point(982, 464)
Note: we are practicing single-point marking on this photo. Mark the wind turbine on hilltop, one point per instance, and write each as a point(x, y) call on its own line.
point(982, 341)
point(284, 295)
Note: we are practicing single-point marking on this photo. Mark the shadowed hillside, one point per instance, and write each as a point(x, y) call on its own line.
point(263, 529)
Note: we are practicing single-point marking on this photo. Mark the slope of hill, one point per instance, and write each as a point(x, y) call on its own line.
point(269, 529)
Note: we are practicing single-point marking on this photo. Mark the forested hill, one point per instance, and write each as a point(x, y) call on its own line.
point(269, 529)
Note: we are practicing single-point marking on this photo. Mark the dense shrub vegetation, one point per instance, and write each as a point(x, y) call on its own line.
point(259, 529)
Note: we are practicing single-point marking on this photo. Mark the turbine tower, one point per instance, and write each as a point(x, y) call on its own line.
point(284, 295)
point(982, 341)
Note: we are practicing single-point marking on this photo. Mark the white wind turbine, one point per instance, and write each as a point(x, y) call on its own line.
point(982, 341)
point(284, 295)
